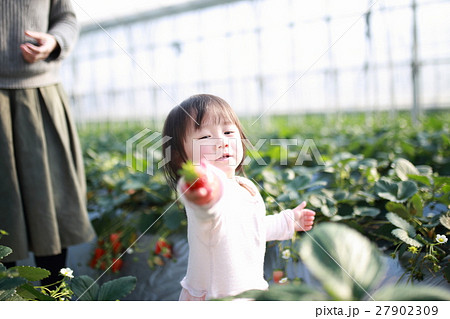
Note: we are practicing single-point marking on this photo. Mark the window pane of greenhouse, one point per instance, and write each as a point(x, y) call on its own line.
point(320, 55)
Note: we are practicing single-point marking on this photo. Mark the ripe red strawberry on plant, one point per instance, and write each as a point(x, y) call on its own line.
point(277, 275)
point(98, 253)
point(117, 265)
point(163, 248)
point(114, 238)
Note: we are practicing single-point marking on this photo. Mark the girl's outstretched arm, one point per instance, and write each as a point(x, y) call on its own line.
point(304, 218)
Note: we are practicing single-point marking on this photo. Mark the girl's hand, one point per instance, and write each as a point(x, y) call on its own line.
point(33, 53)
point(199, 184)
point(304, 218)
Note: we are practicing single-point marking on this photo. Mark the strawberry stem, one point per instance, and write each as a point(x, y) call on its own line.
point(189, 172)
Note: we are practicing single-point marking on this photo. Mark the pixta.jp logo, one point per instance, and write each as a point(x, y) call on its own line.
point(144, 151)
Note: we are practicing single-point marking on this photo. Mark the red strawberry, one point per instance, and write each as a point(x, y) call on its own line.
point(194, 176)
point(114, 237)
point(116, 247)
point(117, 265)
point(99, 252)
point(93, 262)
point(115, 241)
point(277, 275)
point(164, 248)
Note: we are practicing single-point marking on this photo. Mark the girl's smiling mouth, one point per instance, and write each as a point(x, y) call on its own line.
point(224, 157)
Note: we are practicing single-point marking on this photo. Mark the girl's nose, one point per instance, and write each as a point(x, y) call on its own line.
point(225, 145)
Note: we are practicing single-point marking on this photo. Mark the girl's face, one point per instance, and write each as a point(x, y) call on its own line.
point(218, 144)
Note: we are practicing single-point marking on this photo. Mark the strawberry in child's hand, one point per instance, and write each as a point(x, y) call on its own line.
point(199, 184)
point(194, 176)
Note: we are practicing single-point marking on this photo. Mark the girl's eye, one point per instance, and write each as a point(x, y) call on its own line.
point(229, 132)
point(203, 137)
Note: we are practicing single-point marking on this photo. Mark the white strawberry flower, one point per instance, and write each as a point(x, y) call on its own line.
point(66, 272)
point(283, 280)
point(286, 254)
point(441, 239)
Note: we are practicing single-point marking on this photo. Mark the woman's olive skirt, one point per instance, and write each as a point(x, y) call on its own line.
point(42, 182)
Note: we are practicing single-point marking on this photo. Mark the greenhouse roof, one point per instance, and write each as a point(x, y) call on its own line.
point(107, 12)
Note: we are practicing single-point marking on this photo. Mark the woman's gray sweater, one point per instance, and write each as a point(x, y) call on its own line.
point(55, 17)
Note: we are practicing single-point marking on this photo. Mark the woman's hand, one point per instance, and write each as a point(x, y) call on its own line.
point(304, 218)
point(203, 189)
point(34, 53)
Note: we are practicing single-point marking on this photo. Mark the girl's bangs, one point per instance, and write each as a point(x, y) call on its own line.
point(214, 114)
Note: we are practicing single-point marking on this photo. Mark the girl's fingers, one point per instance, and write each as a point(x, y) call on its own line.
point(301, 206)
point(308, 212)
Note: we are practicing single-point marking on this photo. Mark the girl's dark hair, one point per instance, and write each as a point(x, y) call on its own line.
point(191, 112)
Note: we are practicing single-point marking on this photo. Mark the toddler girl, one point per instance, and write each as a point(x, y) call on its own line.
point(227, 223)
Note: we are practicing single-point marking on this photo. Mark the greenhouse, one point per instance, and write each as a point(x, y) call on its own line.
point(335, 117)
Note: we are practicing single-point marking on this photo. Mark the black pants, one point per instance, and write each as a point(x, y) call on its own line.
point(51, 263)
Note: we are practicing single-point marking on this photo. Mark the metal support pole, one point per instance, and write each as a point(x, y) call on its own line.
point(415, 112)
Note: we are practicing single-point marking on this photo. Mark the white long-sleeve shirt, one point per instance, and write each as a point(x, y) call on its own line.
point(227, 241)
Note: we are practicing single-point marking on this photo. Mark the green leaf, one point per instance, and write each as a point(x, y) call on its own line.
point(403, 236)
point(417, 204)
point(10, 283)
point(341, 195)
point(398, 208)
point(419, 293)
point(421, 179)
point(403, 168)
point(300, 182)
point(445, 220)
point(290, 292)
point(32, 273)
point(117, 288)
point(386, 189)
point(401, 223)
point(328, 211)
point(28, 292)
point(173, 218)
point(344, 261)
point(366, 211)
point(316, 200)
point(395, 192)
point(9, 295)
point(406, 190)
point(85, 288)
point(440, 181)
point(4, 251)
point(425, 170)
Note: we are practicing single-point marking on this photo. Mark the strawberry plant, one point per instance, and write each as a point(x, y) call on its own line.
point(414, 195)
point(16, 284)
point(348, 266)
